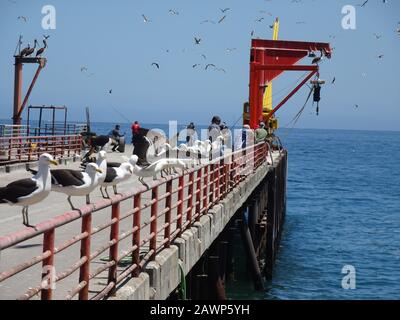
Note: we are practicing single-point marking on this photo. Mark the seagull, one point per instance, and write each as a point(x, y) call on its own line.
point(145, 19)
point(380, 56)
point(30, 191)
point(334, 79)
point(210, 65)
point(156, 64)
point(222, 19)
point(25, 19)
point(229, 50)
point(377, 36)
point(197, 40)
point(102, 164)
point(204, 56)
point(259, 20)
point(115, 176)
point(84, 69)
point(207, 21)
point(75, 183)
point(225, 10)
point(173, 12)
point(110, 91)
point(196, 65)
point(153, 169)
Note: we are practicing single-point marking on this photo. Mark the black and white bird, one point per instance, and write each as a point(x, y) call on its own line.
point(75, 183)
point(115, 176)
point(30, 191)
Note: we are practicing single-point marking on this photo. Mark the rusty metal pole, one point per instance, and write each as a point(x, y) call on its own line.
point(180, 205)
point(168, 205)
point(153, 224)
point(137, 203)
point(48, 265)
point(114, 236)
point(17, 91)
point(85, 252)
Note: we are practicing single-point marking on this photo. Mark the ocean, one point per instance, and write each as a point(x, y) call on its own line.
point(343, 209)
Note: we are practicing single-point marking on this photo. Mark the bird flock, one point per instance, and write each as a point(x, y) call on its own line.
point(102, 175)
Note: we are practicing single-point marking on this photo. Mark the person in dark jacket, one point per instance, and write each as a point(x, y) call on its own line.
point(116, 135)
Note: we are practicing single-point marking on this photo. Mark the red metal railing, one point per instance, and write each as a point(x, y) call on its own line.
point(27, 148)
point(137, 230)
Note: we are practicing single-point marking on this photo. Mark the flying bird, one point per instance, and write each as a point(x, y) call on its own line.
point(30, 191)
point(334, 79)
point(84, 69)
point(259, 20)
point(225, 10)
point(196, 65)
point(145, 19)
point(173, 12)
point(229, 50)
point(377, 36)
point(197, 40)
point(222, 19)
point(210, 65)
point(204, 56)
point(110, 91)
point(25, 19)
point(156, 65)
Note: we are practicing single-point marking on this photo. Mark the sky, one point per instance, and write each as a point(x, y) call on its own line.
point(117, 47)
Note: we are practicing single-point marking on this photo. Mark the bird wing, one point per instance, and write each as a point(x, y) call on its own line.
point(113, 164)
point(17, 189)
point(67, 178)
point(111, 174)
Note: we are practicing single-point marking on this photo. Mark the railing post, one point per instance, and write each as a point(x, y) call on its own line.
point(212, 183)
point(205, 189)
point(199, 194)
point(137, 203)
point(180, 206)
point(85, 252)
point(168, 204)
point(153, 225)
point(48, 266)
point(114, 236)
point(191, 196)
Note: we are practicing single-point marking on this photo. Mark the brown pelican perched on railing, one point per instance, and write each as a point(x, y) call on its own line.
point(41, 50)
point(31, 50)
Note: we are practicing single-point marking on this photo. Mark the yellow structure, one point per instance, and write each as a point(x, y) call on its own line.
point(267, 102)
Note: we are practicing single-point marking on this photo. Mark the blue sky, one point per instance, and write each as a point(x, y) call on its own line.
point(112, 41)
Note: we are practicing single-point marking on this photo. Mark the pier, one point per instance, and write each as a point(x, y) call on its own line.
point(148, 241)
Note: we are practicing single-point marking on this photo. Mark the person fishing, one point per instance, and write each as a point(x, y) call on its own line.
point(190, 134)
point(261, 133)
point(135, 131)
point(116, 136)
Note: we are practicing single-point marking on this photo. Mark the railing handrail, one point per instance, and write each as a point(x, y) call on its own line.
point(217, 177)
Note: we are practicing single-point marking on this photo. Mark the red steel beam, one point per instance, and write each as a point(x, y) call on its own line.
point(290, 95)
point(259, 67)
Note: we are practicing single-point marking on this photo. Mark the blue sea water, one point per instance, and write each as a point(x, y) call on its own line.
point(343, 209)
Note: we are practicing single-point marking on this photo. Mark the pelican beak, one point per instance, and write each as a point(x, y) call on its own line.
point(99, 171)
point(54, 162)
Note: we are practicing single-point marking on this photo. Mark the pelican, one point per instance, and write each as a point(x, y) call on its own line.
point(31, 50)
point(41, 50)
point(25, 50)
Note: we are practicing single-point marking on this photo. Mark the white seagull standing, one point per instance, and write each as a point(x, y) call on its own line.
point(30, 191)
point(115, 176)
point(77, 183)
point(153, 169)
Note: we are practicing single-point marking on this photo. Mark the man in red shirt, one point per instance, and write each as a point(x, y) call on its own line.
point(135, 130)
